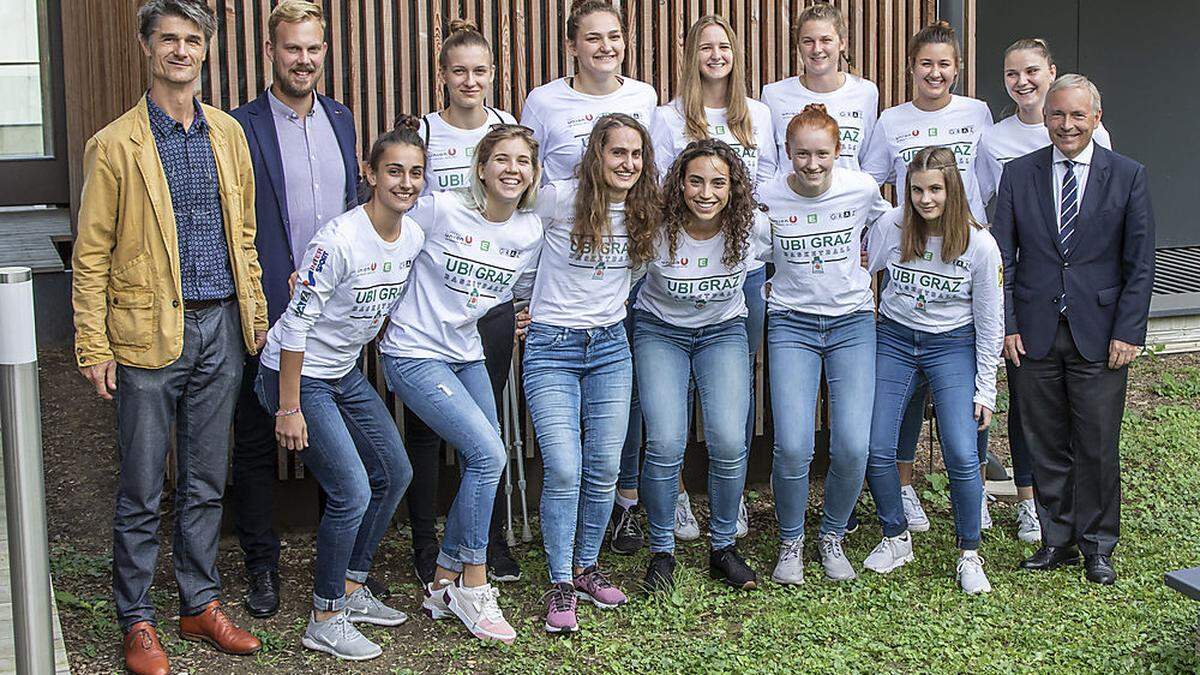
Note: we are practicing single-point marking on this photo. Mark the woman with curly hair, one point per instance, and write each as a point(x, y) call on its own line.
point(577, 363)
point(690, 323)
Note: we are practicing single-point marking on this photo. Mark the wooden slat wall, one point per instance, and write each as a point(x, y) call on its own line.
point(383, 53)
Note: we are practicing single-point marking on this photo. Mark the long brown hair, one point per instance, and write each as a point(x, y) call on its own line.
point(691, 96)
point(737, 218)
point(956, 219)
point(642, 208)
point(582, 8)
point(938, 32)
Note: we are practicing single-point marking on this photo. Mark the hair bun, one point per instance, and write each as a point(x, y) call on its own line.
point(462, 26)
point(578, 5)
point(406, 121)
point(943, 24)
point(816, 107)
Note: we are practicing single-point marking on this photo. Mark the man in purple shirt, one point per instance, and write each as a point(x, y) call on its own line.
point(302, 145)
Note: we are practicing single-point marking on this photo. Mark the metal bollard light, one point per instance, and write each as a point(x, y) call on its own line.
point(21, 436)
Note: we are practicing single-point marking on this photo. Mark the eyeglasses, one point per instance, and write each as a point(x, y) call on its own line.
point(519, 128)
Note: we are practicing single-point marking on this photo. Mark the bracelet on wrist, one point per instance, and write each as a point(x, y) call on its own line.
point(287, 413)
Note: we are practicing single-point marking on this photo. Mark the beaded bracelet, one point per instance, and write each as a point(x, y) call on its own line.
point(286, 413)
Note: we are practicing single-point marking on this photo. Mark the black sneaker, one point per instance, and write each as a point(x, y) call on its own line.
point(660, 573)
point(262, 597)
point(500, 564)
point(626, 534)
point(425, 564)
point(728, 567)
point(377, 588)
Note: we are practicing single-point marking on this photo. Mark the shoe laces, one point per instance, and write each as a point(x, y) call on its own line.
point(831, 546)
point(887, 545)
point(972, 560)
point(684, 516)
point(485, 602)
point(910, 498)
point(627, 525)
point(792, 548)
point(594, 579)
point(368, 597)
point(143, 636)
point(1026, 513)
point(559, 599)
point(264, 581)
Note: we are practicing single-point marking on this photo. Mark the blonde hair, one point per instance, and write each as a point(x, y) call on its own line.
point(1032, 44)
point(938, 32)
point(823, 11)
point(691, 97)
point(956, 219)
point(476, 195)
point(294, 11)
point(462, 33)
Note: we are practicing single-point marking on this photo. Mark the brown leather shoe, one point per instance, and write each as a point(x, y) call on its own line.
point(214, 627)
point(143, 653)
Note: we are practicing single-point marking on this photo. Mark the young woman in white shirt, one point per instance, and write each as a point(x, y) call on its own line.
point(478, 245)
point(941, 319)
point(713, 104)
point(690, 325)
point(561, 113)
point(822, 311)
point(935, 117)
point(578, 370)
point(821, 37)
point(466, 69)
point(354, 272)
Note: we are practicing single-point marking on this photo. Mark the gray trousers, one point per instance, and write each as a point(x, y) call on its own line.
point(196, 393)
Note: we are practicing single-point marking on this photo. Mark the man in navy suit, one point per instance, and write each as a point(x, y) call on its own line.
point(302, 145)
point(1076, 230)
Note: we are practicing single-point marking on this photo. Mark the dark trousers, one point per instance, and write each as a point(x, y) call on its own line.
point(1071, 412)
point(424, 446)
point(195, 394)
point(254, 476)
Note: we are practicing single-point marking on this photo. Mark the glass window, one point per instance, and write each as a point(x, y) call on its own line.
point(25, 112)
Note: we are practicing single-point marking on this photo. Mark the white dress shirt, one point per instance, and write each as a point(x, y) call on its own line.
point(1083, 163)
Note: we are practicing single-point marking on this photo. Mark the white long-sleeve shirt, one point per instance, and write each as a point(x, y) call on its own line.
point(905, 129)
point(350, 279)
point(668, 128)
point(855, 106)
point(816, 243)
point(450, 150)
point(562, 119)
point(929, 295)
point(468, 266)
point(1009, 139)
point(578, 286)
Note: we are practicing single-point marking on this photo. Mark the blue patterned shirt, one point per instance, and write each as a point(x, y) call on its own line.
point(191, 170)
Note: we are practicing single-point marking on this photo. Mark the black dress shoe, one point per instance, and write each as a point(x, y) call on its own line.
point(262, 598)
point(1051, 558)
point(1099, 569)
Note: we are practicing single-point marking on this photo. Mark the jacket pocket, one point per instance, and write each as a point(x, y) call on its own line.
point(1108, 296)
point(131, 318)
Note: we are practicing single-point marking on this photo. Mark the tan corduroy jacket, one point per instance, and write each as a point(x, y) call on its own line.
point(126, 282)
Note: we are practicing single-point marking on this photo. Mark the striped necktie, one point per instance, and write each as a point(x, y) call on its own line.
point(1068, 213)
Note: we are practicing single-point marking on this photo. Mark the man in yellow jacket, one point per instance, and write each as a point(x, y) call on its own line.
point(168, 301)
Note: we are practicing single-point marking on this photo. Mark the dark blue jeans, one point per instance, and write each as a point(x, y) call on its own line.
point(577, 386)
point(196, 394)
point(355, 453)
point(947, 361)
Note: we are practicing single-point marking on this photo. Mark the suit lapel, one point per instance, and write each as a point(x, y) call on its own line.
point(1043, 187)
point(155, 180)
point(1096, 188)
point(263, 123)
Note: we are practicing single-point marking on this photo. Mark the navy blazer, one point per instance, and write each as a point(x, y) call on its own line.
point(1107, 272)
point(273, 239)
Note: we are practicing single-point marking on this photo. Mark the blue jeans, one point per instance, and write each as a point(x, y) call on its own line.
point(455, 400)
point(355, 453)
point(947, 361)
point(572, 375)
point(756, 321)
point(715, 356)
point(910, 431)
point(631, 450)
point(799, 346)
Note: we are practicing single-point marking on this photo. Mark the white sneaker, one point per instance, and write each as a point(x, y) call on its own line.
point(790, 567)
point(891, 553)
point(1029, 528)
point(743, 521)
point(477, 609)
point(337, 636)
point(917, 520)
point(985, 517)
point(434, 605)
point(970, 574)
point(833, 558)
point(686, 527)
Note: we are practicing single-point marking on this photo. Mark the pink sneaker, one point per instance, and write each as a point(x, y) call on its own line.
point(479, 612)
point(560, 609)
point(593, 586)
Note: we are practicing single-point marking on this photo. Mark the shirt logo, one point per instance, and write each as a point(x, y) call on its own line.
point(387, 267)
point(703, 262)
point(320, 257)
point(452, 152)
point(485, 245)
point(932, 132)
point(598, 270)
point(812, 218)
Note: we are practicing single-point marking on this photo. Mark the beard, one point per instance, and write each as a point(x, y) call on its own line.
point(286, 85)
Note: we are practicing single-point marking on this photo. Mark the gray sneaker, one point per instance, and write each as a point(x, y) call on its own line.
point(1029, 528)
point(833, 559)
point(339, 637)
point(970, 574)
point(890, 553)
point(363, 607)
point(790, 567)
